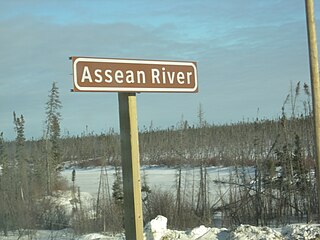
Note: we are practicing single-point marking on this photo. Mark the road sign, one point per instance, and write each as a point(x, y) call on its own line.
point(128, 75)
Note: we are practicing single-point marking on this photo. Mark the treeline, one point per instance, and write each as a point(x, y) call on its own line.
point(190, 144)
point(227, 145)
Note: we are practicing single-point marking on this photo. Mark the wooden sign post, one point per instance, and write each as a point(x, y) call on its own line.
point(127, 77)
point(130, 166)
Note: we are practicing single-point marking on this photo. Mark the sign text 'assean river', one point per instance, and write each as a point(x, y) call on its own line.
point(126, 75)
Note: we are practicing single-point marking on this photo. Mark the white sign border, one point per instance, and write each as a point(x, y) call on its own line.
point(128, 89)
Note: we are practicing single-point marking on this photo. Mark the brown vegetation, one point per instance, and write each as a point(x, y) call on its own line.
point(280, 150)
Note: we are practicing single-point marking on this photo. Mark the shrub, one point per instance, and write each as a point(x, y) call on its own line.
point(51, 215)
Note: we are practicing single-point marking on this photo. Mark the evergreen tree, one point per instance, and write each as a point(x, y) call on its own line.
point(3, 154)
point(23, 168)
point(54, 138)
point(145, 188)
point(117, 188)
point(22, 177)
point(52, 134)
point(20, 138)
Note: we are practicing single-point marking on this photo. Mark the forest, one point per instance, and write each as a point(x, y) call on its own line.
point(280, 150)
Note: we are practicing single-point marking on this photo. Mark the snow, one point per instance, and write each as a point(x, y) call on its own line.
point(156, 228)
point(69, 201)
point(298, 231)
point(199, 231)
point(158, 177)
point(165, 179)
point(88, 181)
point(97, 236)
point(244, 232)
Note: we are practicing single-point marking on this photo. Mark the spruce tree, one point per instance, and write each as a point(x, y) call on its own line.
point(20, 138)
point(117, 188)
point(52, 134)
point(22, 177)
point(3, 154)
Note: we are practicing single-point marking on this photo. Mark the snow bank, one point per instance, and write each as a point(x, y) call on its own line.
point(157, 230)
point(244, 232)
point(95, 236)
point(298, 231)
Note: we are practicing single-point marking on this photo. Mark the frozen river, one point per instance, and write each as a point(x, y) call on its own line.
point(157, 177)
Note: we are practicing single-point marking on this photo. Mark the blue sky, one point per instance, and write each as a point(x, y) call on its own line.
point(248, 53)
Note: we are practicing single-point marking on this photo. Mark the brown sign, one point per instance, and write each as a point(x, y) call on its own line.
point(125, 75)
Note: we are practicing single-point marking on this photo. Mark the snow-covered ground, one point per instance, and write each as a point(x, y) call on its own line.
point(165, 178)
point(159, 177)
point(157, 230)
